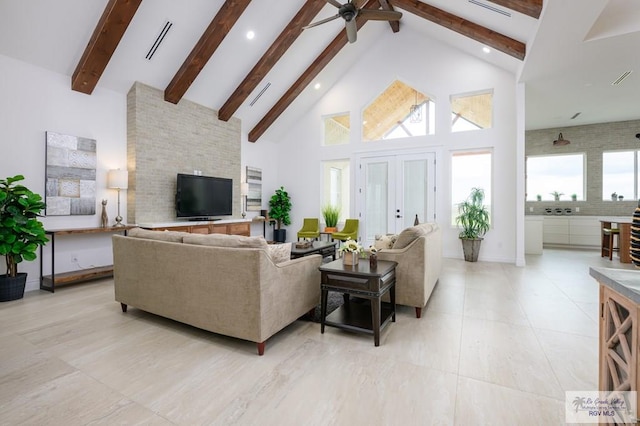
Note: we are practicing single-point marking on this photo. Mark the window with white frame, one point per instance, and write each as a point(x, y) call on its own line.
point(336, 129)
point(472, 111)
point(335, 185)
point(620, 175)
point(470, 169)
point(551, 175)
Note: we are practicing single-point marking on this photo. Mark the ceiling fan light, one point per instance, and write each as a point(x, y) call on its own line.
point(561, 141)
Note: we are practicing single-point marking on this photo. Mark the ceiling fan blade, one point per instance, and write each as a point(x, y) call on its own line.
point(322, 21)
point(335, 3)
point(352, 30)
point(380, 15)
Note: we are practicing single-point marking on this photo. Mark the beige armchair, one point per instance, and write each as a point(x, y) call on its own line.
point(418, 251)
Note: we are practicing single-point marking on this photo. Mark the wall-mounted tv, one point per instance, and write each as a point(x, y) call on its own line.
point(201, 197)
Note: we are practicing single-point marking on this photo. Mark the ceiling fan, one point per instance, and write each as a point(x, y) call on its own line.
point(350, 10)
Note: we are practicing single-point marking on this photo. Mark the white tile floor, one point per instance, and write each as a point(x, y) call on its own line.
point(497, 345)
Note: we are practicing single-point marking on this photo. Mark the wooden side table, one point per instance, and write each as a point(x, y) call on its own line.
point(366, 283)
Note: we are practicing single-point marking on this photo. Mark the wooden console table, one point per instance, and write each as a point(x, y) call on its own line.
point(49, 282)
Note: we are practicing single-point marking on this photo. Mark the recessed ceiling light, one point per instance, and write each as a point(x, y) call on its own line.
point(486, 49)
point(317, 86)
point(250, 35)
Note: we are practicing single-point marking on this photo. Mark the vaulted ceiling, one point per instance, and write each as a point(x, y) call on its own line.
point(200, 52)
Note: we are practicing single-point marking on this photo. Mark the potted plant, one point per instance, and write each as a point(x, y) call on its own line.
point(539, 197)
point(473, 216)
point(614, 196)
point(21, 233)
point(574, 197)
point(620, 197)
point(331, 214)
point(556, 195)
point(279, 209)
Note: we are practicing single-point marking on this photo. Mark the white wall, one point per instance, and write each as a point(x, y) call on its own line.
point(35, 100)
point(439, 71)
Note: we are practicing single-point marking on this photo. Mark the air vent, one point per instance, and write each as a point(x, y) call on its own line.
point(491, 8)
point(264, 89)
point(159, 40)
point(621, 78)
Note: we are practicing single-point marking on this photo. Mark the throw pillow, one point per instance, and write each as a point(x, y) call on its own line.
point(170, 236)
point(409, 235)
point(279, 252)
point(384, 241)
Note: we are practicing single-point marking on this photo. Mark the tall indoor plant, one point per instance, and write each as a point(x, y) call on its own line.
point(21, 233)
point(473, 217)
point(279, 209)
point(330, 215)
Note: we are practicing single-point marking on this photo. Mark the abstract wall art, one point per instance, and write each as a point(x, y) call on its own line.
point(254, 198)
point(70, 187)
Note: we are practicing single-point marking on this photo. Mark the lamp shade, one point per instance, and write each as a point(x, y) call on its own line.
point(118, 179)
point(244, 188)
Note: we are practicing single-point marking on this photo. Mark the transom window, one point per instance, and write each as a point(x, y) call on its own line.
point(471, 111)
point(551, 175)
point(399, 112)
point(336, 129)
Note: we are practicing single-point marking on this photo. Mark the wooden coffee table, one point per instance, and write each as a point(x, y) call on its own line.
point(365, 283)
point(323, 248)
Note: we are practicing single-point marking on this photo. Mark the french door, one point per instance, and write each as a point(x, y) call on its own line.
point(393, 190)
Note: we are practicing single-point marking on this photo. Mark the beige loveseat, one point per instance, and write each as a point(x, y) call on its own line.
point(226, 284)
point(418, 251)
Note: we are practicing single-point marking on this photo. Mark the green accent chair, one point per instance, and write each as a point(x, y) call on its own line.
point(310, 228)
point(350, 230)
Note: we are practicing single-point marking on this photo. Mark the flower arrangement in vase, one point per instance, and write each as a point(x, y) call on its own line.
point(351, 251)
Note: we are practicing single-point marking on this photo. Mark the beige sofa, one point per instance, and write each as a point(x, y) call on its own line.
point(418, 251)
point(226, 284)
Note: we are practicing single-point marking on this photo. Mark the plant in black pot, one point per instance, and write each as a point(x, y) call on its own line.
point(473, 216)
point(279, 209)
point(21, 233)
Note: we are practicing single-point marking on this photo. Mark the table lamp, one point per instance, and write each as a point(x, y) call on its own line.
point(118, 179)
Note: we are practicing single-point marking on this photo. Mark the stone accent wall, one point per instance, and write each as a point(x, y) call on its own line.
point(163, 140)
point(592, 140)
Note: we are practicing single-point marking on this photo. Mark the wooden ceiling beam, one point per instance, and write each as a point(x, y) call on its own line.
point(113, 23)
point(279, 47)
point(531, 8)
point(209, 42)
point(462, 26)
point(306, 78)
point(395, 25)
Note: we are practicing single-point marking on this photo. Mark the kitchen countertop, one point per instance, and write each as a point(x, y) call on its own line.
point(623, 281)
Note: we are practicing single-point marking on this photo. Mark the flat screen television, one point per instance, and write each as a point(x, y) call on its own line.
point(201, 197)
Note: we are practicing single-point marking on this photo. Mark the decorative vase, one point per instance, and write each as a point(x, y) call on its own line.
point(330, 229)
point(350, 258)
point(373, 261)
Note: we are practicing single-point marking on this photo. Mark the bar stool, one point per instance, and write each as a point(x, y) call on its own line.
point(608, 239)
